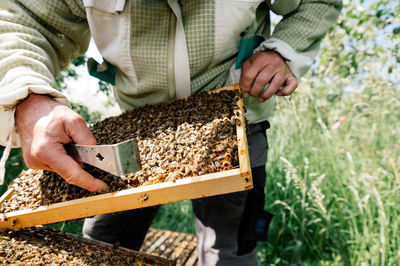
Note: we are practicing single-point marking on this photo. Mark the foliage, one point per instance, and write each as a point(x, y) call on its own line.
point(365, 37)
point(73, 227)
point(14, 165)
point(104, 87)
point(169, 215)
point(83, 111)
point(70, 72)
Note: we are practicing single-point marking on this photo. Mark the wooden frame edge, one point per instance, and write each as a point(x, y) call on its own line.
point(8, 194)
point(243, 151)
point(182, 189)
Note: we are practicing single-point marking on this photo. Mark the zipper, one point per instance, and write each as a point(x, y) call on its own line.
point(171, 57)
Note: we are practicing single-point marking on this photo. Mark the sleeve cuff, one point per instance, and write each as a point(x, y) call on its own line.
point(297, 63)
point(12, 94)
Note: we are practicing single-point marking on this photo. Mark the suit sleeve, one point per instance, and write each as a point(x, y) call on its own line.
point(298, 35)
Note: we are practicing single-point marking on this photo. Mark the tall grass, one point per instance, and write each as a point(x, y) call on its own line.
point(176, 216)
point(334, 186)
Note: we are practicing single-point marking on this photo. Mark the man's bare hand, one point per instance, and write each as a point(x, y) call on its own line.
point(45, 126)
point(266, 68)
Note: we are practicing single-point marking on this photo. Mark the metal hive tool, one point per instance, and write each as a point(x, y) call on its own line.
point(118, 159)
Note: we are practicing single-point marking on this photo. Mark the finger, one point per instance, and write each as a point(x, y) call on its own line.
point(72, 172)
point(291, 85)
point(245, 79)
point(34, 164)
point(276, 82)
point(75, 175)
point(250, 70)
point(78, 131)
point(31, 161)
point(261, 81)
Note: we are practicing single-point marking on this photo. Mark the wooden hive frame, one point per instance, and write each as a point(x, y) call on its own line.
point(233, 180)
point(143, 257)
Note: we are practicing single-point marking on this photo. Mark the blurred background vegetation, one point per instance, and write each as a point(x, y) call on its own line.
point(333, 178)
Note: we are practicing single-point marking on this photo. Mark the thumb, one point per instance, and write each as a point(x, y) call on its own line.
point(72, 172)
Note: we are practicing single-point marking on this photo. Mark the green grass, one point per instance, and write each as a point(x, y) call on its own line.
point(335, 193)
point(176, 217)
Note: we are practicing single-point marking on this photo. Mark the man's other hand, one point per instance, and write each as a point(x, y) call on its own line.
point(44, 126)
point(266, 68)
